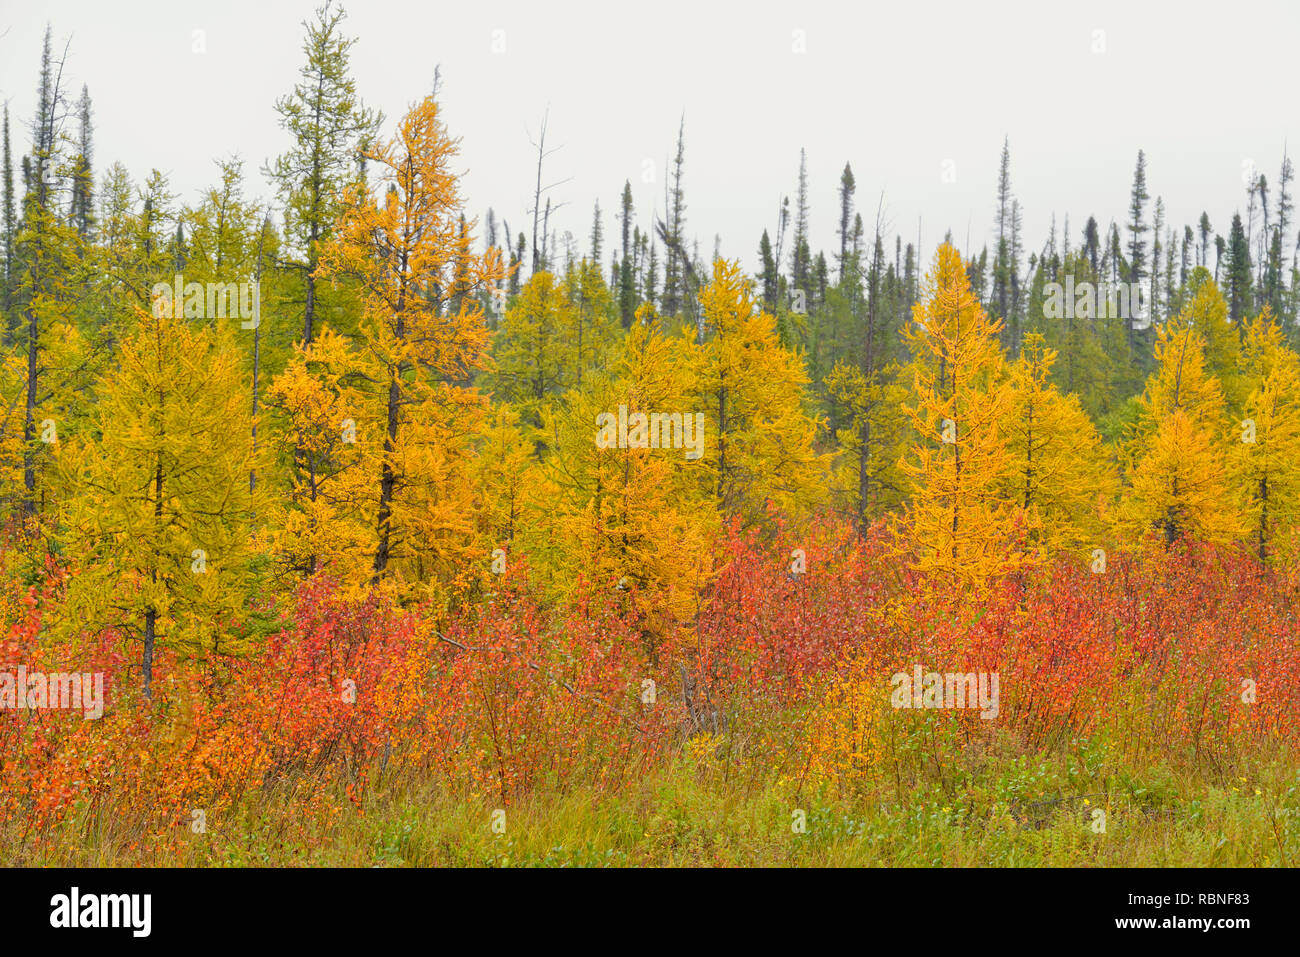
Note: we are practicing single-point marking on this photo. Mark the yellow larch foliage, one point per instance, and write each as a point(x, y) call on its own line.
point(1264, 457)
point(1207, 313)
point(758, 435)
point(410, 252)
point(1058, 475)
point(845, 742)
point(507, 474)
point(624, 510)
point(157, 505)
point(1182, 380)
point(1177, 484)
point(956, 526)
point(329, 427)
point(528, 349)
point(1179, 487)
point(589, 330)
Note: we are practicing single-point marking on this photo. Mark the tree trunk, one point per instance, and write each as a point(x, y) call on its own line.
point(1263, 521)
point(386, 482)
point(150, 625)
point(29, 420)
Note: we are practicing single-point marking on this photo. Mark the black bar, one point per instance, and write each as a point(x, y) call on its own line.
point(366, 907)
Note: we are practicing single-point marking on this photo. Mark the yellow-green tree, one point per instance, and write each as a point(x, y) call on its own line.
point(957, 523)
point(330, 430)
point(589, 329)
point(528, 349)
point(158, 513)
point(1182, 380)
point(1057, 474)
point(1207, 312)
point(507, 478)
point(624, 509)
point(758, 437)
point(866, 479)
point(1264, 462)
point(1176, 484)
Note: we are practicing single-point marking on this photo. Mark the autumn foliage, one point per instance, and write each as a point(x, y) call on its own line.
point(494, 536)
point(789, 672)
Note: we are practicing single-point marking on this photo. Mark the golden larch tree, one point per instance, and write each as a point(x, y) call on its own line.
point(1264, 459)
point(1057, 472)
point(627, 512)
point(956, 524)
point(758, 435)
point(410, 253)
point(330, 428)
point(1176, 480)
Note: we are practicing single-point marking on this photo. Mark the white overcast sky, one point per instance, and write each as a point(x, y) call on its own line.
point(896, 89)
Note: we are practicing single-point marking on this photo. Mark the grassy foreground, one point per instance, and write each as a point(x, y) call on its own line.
point(986, 810)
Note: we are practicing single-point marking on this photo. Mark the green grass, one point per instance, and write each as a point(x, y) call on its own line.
point(1004, 810)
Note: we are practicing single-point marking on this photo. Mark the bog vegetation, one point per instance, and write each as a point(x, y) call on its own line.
point(401, 537)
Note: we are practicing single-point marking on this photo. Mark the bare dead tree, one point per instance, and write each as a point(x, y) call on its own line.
point(539, 190)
